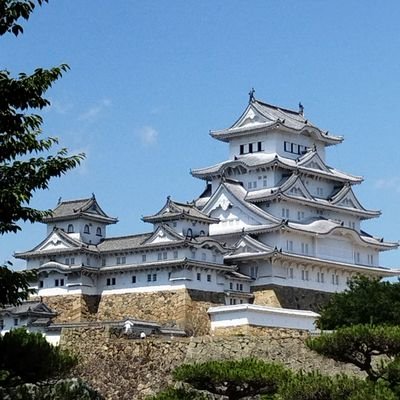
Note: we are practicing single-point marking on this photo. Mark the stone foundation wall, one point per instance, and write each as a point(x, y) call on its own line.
point(133, 369)
point(184, 308)
point(73, 308)
point(266, 297)
point(294, 298)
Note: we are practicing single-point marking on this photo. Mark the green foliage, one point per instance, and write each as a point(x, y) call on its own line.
point(12, 10)
point(29, 358)
point(21, 174)
point(68, 389)
point(314, 386)
point(366, 301)
point(15, 286)
point(25, 162)
point(235, 379)
point(358, 345)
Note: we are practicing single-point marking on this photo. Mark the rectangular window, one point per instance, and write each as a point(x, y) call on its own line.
point(144, 257)
point(199, 276)
point(67, 261)
point(250, 147)
point(304, 248)
point(154, 277)
point(108, 282)
point(175, 253)
point(113, 281)
point(259, 146)
point(357, 257)
point(159, 256)
point(103, 262)
point(88, 261)
point(306, 275)
point(241, 287)
point(300, 215)
point(254, 272)
point(121, 260)
point(133, 279)
point(61, 282)
point(237, 286)
point(322, 277)
point(148, 277)
point(265, 181)
point(337, 279)
point(230, 285)
point(254, 184)
point(164, 255)
point(291, 273)
point(241, 149)
point(15, 321)
point(318, 277)
point(303, 275)
point(193, 255)
point(41, 284)
point(72, 261)
point(333, 279)
point(214, 258)
point(174, 224)
point(1, 324)
point(208, 278)
point(289, 245)
point(250, 185)
point(56, 282)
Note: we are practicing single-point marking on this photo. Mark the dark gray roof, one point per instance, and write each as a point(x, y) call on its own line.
point(270, 117)
point(176, 210)
point(73, 209)
point(29, 308)
point(123, 242)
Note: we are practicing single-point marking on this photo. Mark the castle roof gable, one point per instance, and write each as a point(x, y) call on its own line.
point(82, 208)
point(173, 210)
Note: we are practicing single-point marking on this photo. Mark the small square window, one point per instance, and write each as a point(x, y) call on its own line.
point(108, 281)
point(113, 281)
point(148, 277)
point(199, 276)
point(61, 282)
point(41, 284)
point(208, 278)
point(154, 277)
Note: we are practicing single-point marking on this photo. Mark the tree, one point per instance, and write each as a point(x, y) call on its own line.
point(25, 162)
point(234, 379)
point(361, 345)
point(29, 358)
point(366, 301)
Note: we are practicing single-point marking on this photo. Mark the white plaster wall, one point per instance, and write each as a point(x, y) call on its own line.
point(229, 316)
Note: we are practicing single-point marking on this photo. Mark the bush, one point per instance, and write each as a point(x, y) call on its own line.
point(29, 358)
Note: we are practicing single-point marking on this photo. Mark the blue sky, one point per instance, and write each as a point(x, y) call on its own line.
point(149, 79)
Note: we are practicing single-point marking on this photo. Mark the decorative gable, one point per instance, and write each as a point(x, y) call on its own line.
point(249, 245)
point(312, 160)
point(163, 234)
point(56, 241)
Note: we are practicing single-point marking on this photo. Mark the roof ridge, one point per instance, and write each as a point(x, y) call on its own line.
point(127, 236)
point(278, 107)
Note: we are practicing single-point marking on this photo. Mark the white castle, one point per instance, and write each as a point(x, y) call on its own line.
point(275, 227)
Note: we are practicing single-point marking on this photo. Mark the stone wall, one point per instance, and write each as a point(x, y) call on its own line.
point(73, 308)
point(183, 308)
point(133, 369)
point(291, 297)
